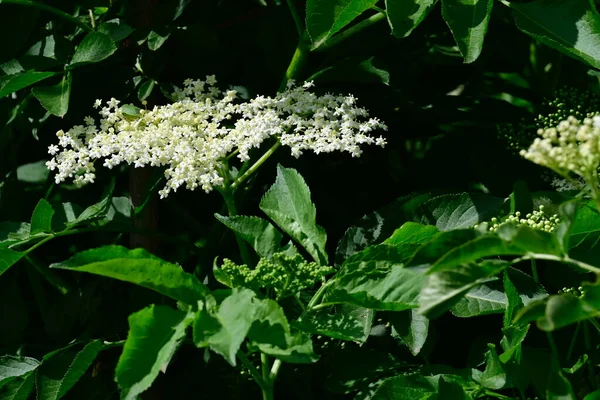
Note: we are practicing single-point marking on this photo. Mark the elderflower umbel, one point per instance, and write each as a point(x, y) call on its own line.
point(572, 149)
point(535, 220)
point(192, 136)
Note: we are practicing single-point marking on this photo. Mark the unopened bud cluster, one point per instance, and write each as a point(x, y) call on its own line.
point(535, 220)
point(577, 292)
point(192, 136)
point(572, 149)
point(287, 275)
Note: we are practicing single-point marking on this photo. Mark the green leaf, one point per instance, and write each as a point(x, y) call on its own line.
point(559, 387)
point(491, 298)
point(138, 267)
point(581, 361)
point(593, 396)
point(457, 211)
point(411, 328)
point(262, 236)
point(378, 285)
point(13, 366)
point(154, 335)
point(41, 219)
point(444, 289)
point(513, 301)
point(374, 227)
point(569, 26)
point(405, 15)
point(494, 376)
point(157, 39)
point(8, 258)
point(468, 20)
point(61, 369)
point(11, 83)
point(94, 48)
point(18, 388)
point(352, 70)
point(345, 323)
point(55, 98)
point(225, 329)
point(324, 18)
point(288, 204)
point(557, 311)
point(36, 172)
point(115, 29)
point(98, 209)
point(412, 233)
point(145, 89)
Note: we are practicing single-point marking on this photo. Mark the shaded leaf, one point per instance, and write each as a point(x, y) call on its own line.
point(405, 15)
point(569, 26)
point(339, 323)
point(116, 29)
point(468, 20)
point(41, 219)
point(324, 18)
point(8, 258)
point(61, 369)
point(262, 236)
point(55, 98)
point(11, 83)
point(154, 335)
point(36, 172)
point(94, 48)
point(494, 376)
point(288, 204)
point(139, 267)
point(411, 328)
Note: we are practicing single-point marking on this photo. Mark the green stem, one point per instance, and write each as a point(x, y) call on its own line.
point(298, 62)
point(595, 324)
point(573, 341)
point(312, 304)
point(266, 376)
point(553, 349)
point(534, 271)
point(255, 166)
point(252, 369)
point(340, 37)
point(53, 279)
point(565, 259)
point(227, 194)
point(588, 347)
point(296, 17)
point(52, 10)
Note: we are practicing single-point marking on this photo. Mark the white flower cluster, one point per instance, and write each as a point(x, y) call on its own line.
point(572, 150)
point(204, 126)
point(535, 220)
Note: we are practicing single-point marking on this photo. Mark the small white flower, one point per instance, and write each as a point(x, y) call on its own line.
point(98, 103)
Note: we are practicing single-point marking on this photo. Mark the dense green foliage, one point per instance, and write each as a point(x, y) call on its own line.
point(440, 264)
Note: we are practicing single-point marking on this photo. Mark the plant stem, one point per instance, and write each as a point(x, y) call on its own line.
point(340, 37)
point(52, 10)
point(588, 347)
point(296, 17)
point(317, 297)
point(53, 279)
point(266, 376)
point(298, 61)
point(252, 369)
point(573, 341)
point(534, 271)
point(227, 194)
point(553, 349)
point(595, 324)
point(255, 166)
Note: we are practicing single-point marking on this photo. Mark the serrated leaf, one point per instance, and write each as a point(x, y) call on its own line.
point(457, 211)
point(115, 29)
point(8, 258)
point(405, 15)
point(324, 18)
point(94, 48)
point(19, 388)
point(378, 285)
point(154, 335)
point(138, 267)
point(98, 209)
point(490, 298)
point(411, 328)
point(288, 204)
point(444, 289)
point(494, 376)
point(55, 98)
point(262, 236)
point(11, 83)
point(338, 323)
point(15, 366)
point(61, 369)
point(468, 20)
point(569, 26)
point(513, 301)
point(157, 39)
point(365, 71)
point(41, 219)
